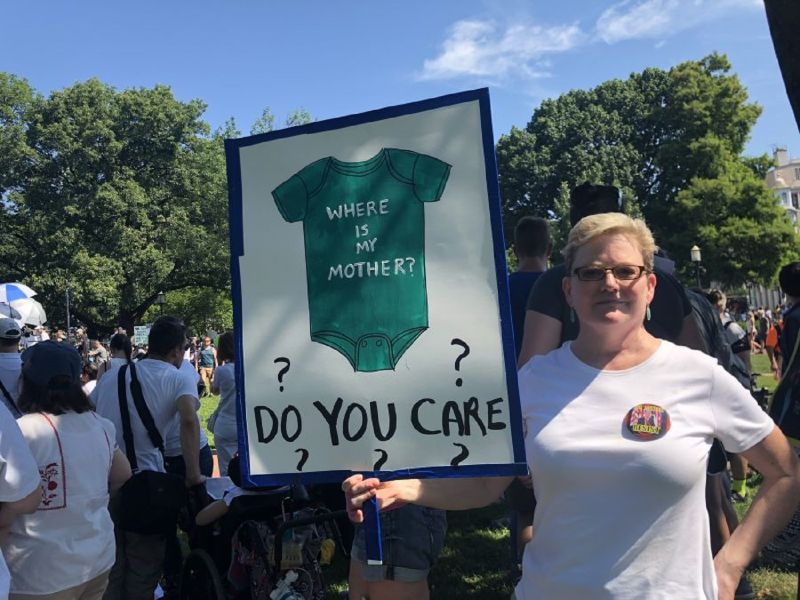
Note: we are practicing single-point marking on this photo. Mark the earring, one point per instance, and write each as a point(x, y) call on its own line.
point(647, 313)
point(571, 315)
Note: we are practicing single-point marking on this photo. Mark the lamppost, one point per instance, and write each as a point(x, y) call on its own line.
point(69, 335)
point(697, 260)
point(161, 300)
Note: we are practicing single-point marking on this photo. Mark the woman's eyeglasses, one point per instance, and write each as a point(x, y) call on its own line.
point(620, 272)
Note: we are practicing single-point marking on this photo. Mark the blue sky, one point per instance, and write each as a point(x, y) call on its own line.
point(339, 58)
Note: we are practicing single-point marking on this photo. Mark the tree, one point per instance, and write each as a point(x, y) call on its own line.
point(655, 135)
point(264, 123)
point(202, 309)
point(299, 116)
point(16, 97)
point(123, 193)
point(744, 235)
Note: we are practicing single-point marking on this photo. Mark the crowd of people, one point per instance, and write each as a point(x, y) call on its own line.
point(71, 523)
point(639, 424)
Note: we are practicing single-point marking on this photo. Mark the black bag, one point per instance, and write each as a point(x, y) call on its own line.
point(150, 500)
point(785, 406)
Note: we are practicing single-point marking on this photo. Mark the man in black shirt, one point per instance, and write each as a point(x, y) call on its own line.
point(549, 322)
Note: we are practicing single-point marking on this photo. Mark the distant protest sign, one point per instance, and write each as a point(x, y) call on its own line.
point(370, 297)
point(140, 334)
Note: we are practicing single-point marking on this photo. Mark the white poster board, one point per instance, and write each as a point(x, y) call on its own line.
point(370, 297)
point(140, 334)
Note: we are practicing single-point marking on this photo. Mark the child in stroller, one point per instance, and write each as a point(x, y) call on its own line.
point(259, 544)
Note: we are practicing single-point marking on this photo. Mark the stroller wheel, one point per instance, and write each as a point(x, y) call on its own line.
point(200, 579)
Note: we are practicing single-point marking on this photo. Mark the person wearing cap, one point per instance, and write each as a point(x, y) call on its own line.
point(66, 546)
point(10, 364)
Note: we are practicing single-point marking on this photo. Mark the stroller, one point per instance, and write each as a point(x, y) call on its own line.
point(269, 545)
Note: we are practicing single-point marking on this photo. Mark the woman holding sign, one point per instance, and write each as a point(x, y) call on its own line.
point(618, 429)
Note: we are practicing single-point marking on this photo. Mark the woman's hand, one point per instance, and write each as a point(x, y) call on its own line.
point(727, 579)
point(390, 494)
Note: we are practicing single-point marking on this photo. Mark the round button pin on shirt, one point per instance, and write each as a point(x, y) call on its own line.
point(647, 421)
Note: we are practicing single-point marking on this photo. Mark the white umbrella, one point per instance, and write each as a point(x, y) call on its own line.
point(9, 292)
point(30, 310)
point(9, 311)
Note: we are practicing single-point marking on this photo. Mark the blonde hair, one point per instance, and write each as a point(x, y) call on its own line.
point(593, 226)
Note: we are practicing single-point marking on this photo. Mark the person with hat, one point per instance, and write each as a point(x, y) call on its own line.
point(10, 364)
point(66, 546)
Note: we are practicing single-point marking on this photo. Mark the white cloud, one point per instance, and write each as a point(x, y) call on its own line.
point(637, 19)
point(482, 49)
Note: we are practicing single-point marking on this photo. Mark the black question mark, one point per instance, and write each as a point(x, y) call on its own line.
point(462, 356)
point(461, 455)
point(303, 458)
point(284, 370)
point(381, 461)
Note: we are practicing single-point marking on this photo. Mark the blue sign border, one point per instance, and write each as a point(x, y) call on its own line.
point(235, 215)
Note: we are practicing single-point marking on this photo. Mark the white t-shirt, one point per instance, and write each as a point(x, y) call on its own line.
point(162, 385)
point(70, 538)
point(225, 380)
point(116, 361)
point(618, 517)
point(172, 442)
point(89, 386)
point(10, 367)
point(19, 476)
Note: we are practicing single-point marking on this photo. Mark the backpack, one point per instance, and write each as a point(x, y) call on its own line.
point(735, 364)
point(714, 336)
point(785, 405)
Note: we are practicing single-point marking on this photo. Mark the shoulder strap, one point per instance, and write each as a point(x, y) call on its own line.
point(785, 371)
point(125, 416)
point(17, 412)
point(144, 413)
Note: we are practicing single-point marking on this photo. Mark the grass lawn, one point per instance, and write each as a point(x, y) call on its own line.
point(207, 406)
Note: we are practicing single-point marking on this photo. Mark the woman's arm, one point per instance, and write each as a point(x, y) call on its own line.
point(446, 494)
point(9, 511)
point(772, 508)
point(120, 470)
point(213, 512)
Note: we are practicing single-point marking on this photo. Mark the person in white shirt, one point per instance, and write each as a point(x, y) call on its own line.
point(120, 350)
point(20, 484)
point(167, 394)
point(223, 421)
point(66, 547)
point(174, 463)
point(618, 427)
point(89, 378)
point(10, 364)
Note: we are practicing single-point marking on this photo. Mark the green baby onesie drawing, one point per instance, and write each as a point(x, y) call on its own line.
point(364, 230)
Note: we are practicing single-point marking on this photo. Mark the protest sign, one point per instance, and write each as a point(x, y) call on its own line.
point(140, 334)
point(370, 297)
